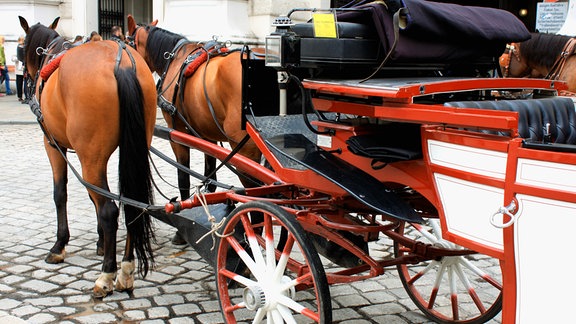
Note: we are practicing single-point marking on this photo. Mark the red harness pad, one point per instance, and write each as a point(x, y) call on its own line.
point(200, 59)
point(47, 71)
point(194, 65)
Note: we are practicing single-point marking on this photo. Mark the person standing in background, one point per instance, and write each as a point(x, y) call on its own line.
point(116, 32)
point(4, 67)
point(96, 37)
point(18, 60)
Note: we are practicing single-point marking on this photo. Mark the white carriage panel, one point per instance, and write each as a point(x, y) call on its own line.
point(543, 237)
point(547, 174)
point(468, 159)
point(468, 207)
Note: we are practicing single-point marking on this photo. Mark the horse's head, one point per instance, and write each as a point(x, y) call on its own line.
point(138, 37)
point(513, 65)
point(38, 37)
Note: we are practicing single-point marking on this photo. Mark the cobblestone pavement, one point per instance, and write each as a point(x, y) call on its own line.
point(180, 290)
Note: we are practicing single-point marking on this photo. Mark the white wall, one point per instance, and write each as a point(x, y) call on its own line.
point(569, 27)
point(42, 11)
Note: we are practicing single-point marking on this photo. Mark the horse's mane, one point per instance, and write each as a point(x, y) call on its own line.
point(37, 36)
point(159, 42)
point(542, 49)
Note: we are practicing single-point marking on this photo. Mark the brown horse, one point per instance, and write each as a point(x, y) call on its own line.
point(542, 56)
point(209, 100)
point(100, 96)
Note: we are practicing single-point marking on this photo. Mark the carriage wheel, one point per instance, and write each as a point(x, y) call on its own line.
point(457, 289)
point(270, 270)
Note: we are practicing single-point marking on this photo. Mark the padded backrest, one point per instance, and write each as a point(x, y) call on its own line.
point(534, 116)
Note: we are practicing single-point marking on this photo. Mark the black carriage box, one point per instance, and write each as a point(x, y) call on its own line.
point(356, 46)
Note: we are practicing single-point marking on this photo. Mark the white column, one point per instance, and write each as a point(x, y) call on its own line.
point(157, 12)
point(569, 27)
point(83, 19)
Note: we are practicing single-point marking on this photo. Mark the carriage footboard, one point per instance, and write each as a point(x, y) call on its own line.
point(296, 149)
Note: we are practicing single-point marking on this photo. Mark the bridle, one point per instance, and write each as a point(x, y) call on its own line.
point(512, 49)
point(558, 66)
point(133, 39)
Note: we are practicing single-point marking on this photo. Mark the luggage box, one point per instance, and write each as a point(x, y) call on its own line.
point(357, 45)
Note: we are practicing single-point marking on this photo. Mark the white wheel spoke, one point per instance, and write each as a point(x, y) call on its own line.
point(243, 280)
point(245, 257)
point(435, 224)
point(439, 275)
point(259, 316)
point(269, 239)
point(286, 314)
point(283, 260)
point(432, 238)
point(290, 303)
point(276, 316)
point(462, 276)
point(256, 251)
point(452, 281)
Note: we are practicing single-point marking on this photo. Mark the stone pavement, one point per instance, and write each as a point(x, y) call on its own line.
point(180, 290)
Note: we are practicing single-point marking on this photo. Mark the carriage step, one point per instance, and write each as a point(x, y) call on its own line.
point(359, 184)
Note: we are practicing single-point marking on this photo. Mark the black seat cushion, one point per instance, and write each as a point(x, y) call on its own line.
point(555, 117)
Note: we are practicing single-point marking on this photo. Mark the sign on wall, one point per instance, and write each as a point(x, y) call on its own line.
point(550, 16)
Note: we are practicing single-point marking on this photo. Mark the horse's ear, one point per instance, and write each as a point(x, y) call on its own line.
point(131, 24)
point(24, 24)
point(54, 24)
point(154, 23)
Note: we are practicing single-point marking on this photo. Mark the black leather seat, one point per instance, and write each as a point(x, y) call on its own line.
point(534, 116)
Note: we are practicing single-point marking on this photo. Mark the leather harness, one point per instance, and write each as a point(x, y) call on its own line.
point(568, 50)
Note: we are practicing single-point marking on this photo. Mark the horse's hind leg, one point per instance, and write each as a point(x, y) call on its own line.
point(100, 242)
point(108, 219)
point(125, 280)
point(107, 213)
point(60, 195)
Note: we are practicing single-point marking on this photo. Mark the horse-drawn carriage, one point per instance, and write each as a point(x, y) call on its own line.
point(445, 162)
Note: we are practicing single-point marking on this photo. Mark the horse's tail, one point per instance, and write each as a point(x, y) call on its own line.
point(134, 167)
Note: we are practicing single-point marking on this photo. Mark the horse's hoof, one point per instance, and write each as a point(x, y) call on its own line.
point(54, 258)
point(104, 285)
point(99, 251)
point(178, 239)
point(125, 281)
point(100, 293)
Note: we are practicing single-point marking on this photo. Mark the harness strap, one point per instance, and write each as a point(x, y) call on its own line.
point(569, 49)
point(402, 13)
point(121, 48)
point(169, 56)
